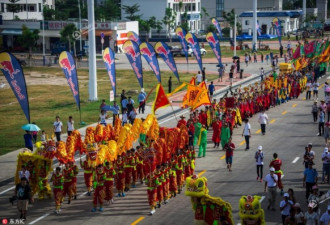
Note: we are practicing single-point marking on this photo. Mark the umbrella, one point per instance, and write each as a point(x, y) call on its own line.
point(235, 57)
point(30, 127)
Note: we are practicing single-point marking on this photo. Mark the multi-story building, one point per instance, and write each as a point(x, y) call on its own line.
point(29, 9)
point(156, 8)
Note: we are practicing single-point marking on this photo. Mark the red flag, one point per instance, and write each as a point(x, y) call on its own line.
point(296, 54)
point(161, 99)
point(309, 48)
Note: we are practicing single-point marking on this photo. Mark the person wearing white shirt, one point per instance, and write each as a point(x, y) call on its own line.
point(325, 218)
point(263, 120)
point(259, 156)
point(199, 78)
point(247, 133)
point(58, 128)
point(70, 125)
point(271, 184)
point(285, 206)
point(24, 173)
point(326, 165)
point(316, 90)
point(309, 88)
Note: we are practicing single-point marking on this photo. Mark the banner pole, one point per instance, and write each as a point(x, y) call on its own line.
point(174, 112)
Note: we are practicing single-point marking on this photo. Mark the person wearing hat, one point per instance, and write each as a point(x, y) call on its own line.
point(259, 157)
point(181, 122)
point(310, 178)
point(311, 217)
point(99, 193)
point(285, 206)
point(277, 163)
point(142, 101)
point(216, 127)
point(325, 218)
point(299, 215)
point(326, 165)
point(271, 184)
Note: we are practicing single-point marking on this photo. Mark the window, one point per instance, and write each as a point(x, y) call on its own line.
point(199, 6)
point(39, 7)
point(169, 5)
point(2, 7)
point(31, 8)
point(193, 7)
point(247, 22)
point(219, 8)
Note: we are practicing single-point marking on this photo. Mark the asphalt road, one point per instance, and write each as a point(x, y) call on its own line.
point(291, 128)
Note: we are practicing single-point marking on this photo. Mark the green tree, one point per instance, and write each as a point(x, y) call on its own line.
point(180, 11)
point(110, 10)
point(147, 25)
point(67, 35)
point(210, 28)
point(298, 4)
point(169, 21)
point(204, 13)
point(48, 13)
point(184, 22)
point(13, 7)
point(28, 40)
point(131, 12)
point(230, 18)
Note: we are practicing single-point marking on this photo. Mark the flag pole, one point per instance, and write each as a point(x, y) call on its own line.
point(174, 112)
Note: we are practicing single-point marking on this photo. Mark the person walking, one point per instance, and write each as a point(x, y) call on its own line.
point(246, 59)
point(325, 218)
point(326, 165)
point(115, 114)
point(199, 78)
point(247, 133)
point(263, 120)
point(211, 89)
point(142, 101)
point(225, 134)
point(255, 58)
point(203, 74)
point(28, 140)
point(229, 148)
point(267, 58)
point(169, 84)
point(321, 122)
point(221, 72)
point(262, 57)
point(202, 141)
point(309, 155)
point(238, 65)
point(58, 128)
point(311, 217)
point(262, 73)
point(58, 180)
point(276, 163)
point(70, 126)
point(309, 88)
point(259, 157)
point(285, 206)
point(281, 51)
point(216, 127)
point(271, 185)
point(310, 178)
point(315, 90)
point(23, 194)
point(314, 111)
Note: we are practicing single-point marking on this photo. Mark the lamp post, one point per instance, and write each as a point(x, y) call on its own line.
point(235, 27)
point(80, 26)
point(43, 34)
point(254, 42)
point(92, 85)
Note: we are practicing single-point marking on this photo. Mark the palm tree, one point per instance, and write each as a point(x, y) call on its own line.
point(131, 10)
point(67, 35)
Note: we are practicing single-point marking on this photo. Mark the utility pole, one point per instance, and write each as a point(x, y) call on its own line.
point(235, 28)
point(304, 13)
point(80, 26)
point(92, 85)
point(254, 24)
point(43, 35)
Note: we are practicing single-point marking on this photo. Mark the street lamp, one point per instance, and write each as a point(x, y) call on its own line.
point(43, 34)
point(235, 27)
point(80, 27)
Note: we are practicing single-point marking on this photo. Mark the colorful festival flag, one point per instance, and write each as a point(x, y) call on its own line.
point(217, 25)
point(203, 99)
point(132, 51)
point(192, 95)
point(214, 43)
point(132, 36)
point(109, 62)
point(13, 72)
point(163, 51)
point(309, 49)
point(69, 68)
point(277, 25)
point(194, 44)
point(161, 99)
point(149, 54)
point(296, 53)
point(181, 33)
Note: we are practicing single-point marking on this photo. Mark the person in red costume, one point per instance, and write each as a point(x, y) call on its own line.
point(277, 163)
point(75, 171)
point(216, 132)
point(109, 177)
point(99, 193)
point(181, 122)
point(203, 117)
point(68, 184)
point(120, 178)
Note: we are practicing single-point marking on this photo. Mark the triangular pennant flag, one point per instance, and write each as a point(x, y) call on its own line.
point(161, 99)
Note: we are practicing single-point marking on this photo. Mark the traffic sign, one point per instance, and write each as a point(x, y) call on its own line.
point(102, 35)
point(102, 41)
point(76, 34)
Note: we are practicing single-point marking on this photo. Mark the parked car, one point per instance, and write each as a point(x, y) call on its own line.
point(190, 52)
point(176, 50)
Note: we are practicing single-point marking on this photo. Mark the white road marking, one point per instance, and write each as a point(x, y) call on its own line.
point(262, 198)
point(40, 218)
point(7, 190)
point(171, 118)
point(296, 159)
point(79, 158)
point(83, 194)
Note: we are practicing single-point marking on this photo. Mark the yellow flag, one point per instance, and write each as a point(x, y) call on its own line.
point(203, 99)
point(192, 95)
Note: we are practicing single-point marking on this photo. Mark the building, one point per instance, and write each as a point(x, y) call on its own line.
point(115, 33)
point(29, 10)
point(216, 8)
point(156, 8)
point(289, 21)
point(322, 10)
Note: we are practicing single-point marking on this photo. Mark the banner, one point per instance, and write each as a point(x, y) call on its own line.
point(133, 55)
point(181, 33)
point(109, 62)
point(163, 51)
point(214, 43)
point(277, 26)
point(296, 53)
point(309, 49)
point(161, 99)
point(12, 70)
point(193, 42)
point(203, 99)
point(217, 25)
point(132, 36)
point(193, 94)
point(149, 54)
point(68, 65)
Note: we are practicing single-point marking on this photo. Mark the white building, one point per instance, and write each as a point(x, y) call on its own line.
point(30, 9)
point(156, 8)
point(289, 21)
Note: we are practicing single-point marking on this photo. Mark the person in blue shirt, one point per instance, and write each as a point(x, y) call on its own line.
point(115, 114)
point(142, 101)
point(28, 140)
point(310, 178)
point(124, 104)
point(211, 89)
point(130, 105)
